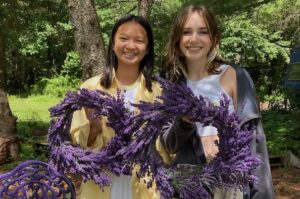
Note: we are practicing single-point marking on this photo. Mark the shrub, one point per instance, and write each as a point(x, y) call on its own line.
point(282, 130)
point(72, 65)
point(56, 86)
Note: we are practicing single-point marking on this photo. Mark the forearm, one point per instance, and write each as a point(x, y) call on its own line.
point(95, 126)
point(95, 129)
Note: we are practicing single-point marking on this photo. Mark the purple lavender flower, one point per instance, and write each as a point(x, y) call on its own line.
point(233, 166)
point(74, 159)
point(134, 142)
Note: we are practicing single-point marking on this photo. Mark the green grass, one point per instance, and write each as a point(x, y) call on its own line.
point(32, 108)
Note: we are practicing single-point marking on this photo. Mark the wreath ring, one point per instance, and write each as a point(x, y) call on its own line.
point(232, 167)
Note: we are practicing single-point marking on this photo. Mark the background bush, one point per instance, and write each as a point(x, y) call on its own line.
point(56, 86)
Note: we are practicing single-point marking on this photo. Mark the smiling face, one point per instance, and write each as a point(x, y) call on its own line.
point(130, 44)
point(195, 42)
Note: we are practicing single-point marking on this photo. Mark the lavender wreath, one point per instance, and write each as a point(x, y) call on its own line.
point(134, 143)
point(67, 157)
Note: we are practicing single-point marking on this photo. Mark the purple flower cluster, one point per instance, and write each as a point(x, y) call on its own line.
point(136, 135)
point(67, 157)
point(233, 166)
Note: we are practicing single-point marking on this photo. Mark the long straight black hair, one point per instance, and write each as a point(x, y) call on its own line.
point(146, 65)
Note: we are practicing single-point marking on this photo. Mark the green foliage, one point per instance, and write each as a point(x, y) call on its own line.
point(56, 86)
point(275, 102)
point(162, 15)
point(294, 98)
point(282, 131)
point(26, 128)
point(253, 43)
point(28, 153)
point(38, 35)
point(229, 7)
point(264, 53)
point(281, 15)
point(29, 133)
point(72, 65)
point(34, 41)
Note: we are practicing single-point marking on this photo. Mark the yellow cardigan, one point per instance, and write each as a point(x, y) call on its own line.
point(80, 129)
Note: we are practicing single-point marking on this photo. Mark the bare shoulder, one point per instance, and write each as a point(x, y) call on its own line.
point(228, 81)
point(230, 73)
point(228, 78)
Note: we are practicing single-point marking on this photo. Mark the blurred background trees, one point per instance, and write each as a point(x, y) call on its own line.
point(37, 38)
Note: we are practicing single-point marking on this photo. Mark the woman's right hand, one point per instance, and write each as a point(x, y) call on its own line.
point(95, 126)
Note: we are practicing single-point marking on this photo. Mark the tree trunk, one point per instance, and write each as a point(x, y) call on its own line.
point(2, 61)
point(9, 147)
point(88, 37)
point(144, 8)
